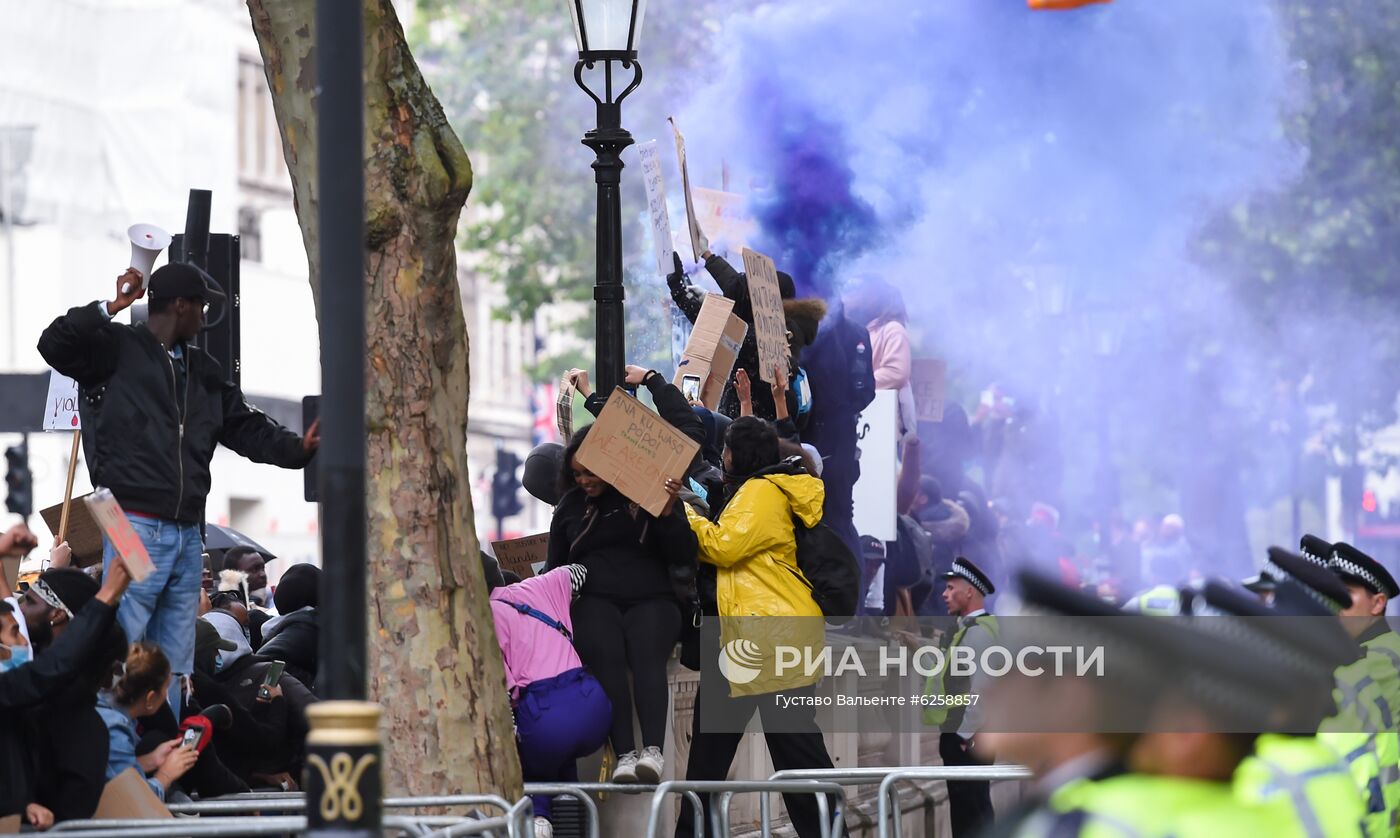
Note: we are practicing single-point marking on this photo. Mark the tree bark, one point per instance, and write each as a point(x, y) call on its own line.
point(433, 663)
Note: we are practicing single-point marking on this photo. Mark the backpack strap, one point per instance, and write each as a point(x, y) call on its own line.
point(541, 616)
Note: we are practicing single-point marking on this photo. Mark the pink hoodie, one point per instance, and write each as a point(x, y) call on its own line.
point(892, 355)
point(532, 650)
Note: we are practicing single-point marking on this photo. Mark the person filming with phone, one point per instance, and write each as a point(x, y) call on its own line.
point(153, 407)
point(139, 693)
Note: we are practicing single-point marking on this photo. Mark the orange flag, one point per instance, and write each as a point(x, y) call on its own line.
point(1061, 5)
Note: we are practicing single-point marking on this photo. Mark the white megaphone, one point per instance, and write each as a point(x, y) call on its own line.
point(147, 241)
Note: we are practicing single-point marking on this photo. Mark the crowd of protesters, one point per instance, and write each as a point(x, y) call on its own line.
point(197, 678)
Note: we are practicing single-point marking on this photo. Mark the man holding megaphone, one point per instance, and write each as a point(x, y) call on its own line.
point(153, 408)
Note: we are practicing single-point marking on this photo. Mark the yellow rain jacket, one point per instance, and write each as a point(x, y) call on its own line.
point(764, 600)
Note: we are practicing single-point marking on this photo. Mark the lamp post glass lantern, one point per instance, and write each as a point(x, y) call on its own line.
point(607, 32)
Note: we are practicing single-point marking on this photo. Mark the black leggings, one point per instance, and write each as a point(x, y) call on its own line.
point(614, 637)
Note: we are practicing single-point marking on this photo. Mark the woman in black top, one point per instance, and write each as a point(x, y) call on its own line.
point(627, 616)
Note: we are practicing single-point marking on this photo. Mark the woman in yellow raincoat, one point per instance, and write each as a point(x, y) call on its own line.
point(764, 602)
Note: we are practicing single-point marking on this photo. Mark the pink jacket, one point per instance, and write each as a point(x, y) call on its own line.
point(892, 354)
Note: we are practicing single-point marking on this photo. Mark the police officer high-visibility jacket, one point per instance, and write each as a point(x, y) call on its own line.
point(1382, 661)
point(975, 632)
point(1310, 778)
point(1363, 734)
point(1143, 806)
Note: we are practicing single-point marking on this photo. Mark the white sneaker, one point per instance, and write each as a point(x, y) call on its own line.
point(650, 766)
point(543, 828)
point(626, 770)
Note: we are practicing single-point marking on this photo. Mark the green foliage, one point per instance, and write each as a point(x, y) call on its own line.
point(504, 73)
point(1318, 260)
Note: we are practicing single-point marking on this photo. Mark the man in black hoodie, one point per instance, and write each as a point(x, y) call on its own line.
point(154, 406)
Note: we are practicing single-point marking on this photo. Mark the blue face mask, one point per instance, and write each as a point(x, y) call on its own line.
point(19, 656)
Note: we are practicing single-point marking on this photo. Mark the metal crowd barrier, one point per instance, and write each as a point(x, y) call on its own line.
point(194, 828)
point(728, 788)
point(517, 822)
point(889, 789)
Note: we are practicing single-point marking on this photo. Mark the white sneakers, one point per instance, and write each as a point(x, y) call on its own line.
point(645, 769)
point(543, 828)
point(626, 770)
point(650, 766)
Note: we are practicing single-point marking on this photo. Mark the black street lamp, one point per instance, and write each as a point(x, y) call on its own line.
point(607, 32)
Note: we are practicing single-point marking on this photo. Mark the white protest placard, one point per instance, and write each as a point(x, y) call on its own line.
point(656, 206)
point(929, 382)
point(118, 530)
point(636, 451)
point(769, 324)
point(691, 218)
point(877, 430)
point(61, 406)
point(723, 217)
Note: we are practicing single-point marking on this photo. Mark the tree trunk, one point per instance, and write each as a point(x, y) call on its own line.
point(433, 659)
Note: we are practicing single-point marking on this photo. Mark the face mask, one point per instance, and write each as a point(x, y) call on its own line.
point(19, 656)
point(218, 662)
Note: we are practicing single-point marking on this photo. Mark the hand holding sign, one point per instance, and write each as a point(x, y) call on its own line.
point(118, 530)
point(636, 451)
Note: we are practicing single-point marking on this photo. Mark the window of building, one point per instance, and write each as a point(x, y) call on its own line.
point(250, 233)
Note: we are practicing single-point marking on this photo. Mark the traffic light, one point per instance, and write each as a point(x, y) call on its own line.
point(505, 486)
point(20, 480)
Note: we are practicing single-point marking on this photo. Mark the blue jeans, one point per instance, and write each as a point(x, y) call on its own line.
point(162, 609)
point(557, 721)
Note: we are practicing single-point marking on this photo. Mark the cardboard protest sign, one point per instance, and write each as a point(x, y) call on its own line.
point(127, 797)
point(695, 232)
point(522, 555)
point(636, 451)
point(109, 516)
point(84, 536)
point(564, 410)
point(877, 430)
point(929, 382)
point(723, 218)
point(9, 574)
point(770, 325)
point(708, 356)
point(61, 406)
point(656, 206)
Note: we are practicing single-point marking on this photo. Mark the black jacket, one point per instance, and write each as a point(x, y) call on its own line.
point(72, 754)
point(33, 683)
point(150, 434)
point(628, 553)
point(293, 640)
point(841, 372)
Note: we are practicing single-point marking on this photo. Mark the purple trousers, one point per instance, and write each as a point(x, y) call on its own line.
point(557, 721)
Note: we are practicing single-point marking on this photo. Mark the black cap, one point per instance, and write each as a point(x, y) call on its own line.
point(66, 589)
point(966, 570)
point(1316, 581)
point(1315, 550)
point(1357, 568)
point(178, 279)
point(1260, 583)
